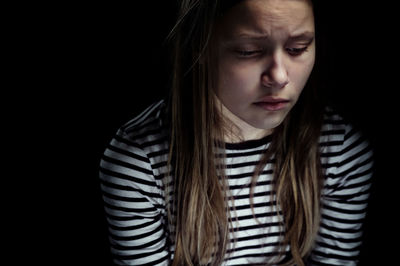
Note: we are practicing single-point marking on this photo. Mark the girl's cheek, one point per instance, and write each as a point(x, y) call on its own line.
point(299, 74)
point(238, 78)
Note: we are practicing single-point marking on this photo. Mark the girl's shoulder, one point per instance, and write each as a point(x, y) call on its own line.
point(345, 149)
point(149, 121)
point(149, 129)
point(147, 133)
point(332, 119)
point(335, 128)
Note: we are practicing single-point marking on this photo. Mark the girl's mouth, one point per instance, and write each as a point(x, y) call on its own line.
point(272, 103)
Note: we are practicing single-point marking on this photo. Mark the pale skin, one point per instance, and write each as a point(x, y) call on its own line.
point(266, 50)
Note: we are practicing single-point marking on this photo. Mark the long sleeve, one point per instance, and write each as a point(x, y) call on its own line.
point(344, 200)
point(133, 205)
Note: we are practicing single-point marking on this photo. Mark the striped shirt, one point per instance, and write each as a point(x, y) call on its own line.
point(133, 171)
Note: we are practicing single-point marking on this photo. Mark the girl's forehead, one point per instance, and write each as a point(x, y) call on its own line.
point(265, 17)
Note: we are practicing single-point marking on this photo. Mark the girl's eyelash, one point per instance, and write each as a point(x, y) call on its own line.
point(290, 51)
point(296, 51)
point(248, 53)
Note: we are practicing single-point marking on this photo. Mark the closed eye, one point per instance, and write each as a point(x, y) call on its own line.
point(248, 53)
point(296, 51)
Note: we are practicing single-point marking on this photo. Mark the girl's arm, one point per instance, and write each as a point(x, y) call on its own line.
point(133, 205)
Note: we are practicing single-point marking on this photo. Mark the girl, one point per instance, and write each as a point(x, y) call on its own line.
point(243, 165)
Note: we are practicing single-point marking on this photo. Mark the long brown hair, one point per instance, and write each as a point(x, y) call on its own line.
point(197, 128)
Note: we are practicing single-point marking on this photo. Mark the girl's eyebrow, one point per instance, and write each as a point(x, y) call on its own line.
point(252, 36)
point(302, 36)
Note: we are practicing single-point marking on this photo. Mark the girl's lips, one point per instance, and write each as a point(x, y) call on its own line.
point(272, 104)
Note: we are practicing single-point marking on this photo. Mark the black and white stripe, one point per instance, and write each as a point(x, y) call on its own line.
point(135, 163)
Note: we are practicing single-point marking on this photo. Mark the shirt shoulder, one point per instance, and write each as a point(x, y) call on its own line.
point(147, 124)
point(338, 135)
point(334, 128)
point(346, 153)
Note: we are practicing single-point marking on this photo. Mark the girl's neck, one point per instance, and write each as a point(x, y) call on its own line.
point(237, 130)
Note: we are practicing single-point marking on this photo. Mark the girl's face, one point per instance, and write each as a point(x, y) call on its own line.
point(266, 51)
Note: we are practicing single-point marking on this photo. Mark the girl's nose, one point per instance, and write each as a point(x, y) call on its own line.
point(275, 74)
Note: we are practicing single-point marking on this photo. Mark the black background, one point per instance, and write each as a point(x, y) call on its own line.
point(75, 73)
